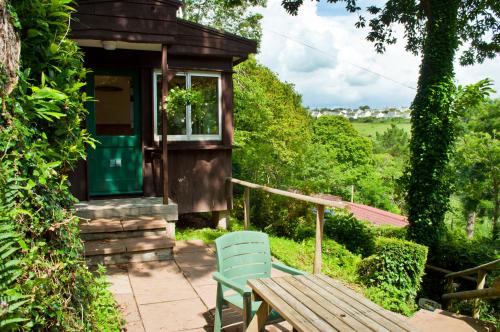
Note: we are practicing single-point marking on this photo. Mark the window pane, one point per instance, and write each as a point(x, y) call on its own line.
point(205, 114)
point(114, 105)
point(176, 115)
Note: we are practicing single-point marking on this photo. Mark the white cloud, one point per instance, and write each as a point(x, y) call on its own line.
point(327, 71)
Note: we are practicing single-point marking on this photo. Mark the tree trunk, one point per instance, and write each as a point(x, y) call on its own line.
point(471, 221)
point(432, 127)
point(496, 210)
point(10, 49)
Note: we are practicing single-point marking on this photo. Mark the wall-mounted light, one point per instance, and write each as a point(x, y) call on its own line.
point(109, 45)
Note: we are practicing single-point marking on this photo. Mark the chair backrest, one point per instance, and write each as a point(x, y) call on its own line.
point(243, 255)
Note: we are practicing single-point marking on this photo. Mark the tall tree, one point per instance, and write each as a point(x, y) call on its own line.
point(234, 16)
point(435, 29)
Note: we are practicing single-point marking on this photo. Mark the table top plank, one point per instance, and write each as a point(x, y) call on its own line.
point(355, 313)
point(312, 317)
point(317, 304)
point(375, 318)
point(283, 308)
point(331, 304)
point(382, 316)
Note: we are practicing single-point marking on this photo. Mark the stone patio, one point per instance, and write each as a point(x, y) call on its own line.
point(174, 295)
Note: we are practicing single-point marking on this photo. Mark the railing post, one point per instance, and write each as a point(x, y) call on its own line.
point(450, 289)
point(246, 207)
point(320, 213)
point(481, 280)
point(229, 193)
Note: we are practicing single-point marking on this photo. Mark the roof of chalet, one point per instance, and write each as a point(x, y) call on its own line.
point(147, 24)
point(376, 216)
point(370, 214)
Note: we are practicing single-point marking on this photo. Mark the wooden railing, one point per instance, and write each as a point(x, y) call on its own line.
point(480, 292)
point(320, 203)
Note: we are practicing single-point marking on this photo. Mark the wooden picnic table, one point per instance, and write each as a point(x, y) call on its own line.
point(318, 303)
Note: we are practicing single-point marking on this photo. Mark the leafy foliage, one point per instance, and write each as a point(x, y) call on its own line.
point(396, 269)
point(40, 141)
point(233, 16)
point(394, 141)
point(435, 29)
point(10, 269)
point(356, 235)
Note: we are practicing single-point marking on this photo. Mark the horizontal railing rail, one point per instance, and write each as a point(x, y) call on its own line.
point(320, 203)
point(484, 267)
point(480, 292)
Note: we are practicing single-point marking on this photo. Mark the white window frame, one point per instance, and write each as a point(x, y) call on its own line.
point(189, 135)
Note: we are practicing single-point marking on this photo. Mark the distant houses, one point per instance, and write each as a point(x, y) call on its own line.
point(360, 113)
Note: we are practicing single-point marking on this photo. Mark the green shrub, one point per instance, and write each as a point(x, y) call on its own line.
point(356, 235)
point(390, 231)
point(338, 262)
point(455, 252)
point(396, 268)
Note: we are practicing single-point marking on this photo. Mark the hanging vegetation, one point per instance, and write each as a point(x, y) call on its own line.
point(44, 282)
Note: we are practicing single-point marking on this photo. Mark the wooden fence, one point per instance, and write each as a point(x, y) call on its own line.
point(480, 292)
point(320, 203)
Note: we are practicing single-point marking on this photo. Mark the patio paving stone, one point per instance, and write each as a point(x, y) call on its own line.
point(174, 316)
point(197, 258)
point(189, 246)
point(175, 295)
point(128, 307)
point(155, 289)
point(200, 275)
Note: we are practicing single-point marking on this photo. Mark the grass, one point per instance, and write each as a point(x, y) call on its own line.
point(369, 129)
point(338, 262)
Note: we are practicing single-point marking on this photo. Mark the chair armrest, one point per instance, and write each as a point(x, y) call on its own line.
point(287, 269)
point(243, 291)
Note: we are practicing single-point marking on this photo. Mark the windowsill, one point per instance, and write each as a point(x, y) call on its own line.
point(191, 145)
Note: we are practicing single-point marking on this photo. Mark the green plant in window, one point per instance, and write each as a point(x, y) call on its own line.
point(179, 98)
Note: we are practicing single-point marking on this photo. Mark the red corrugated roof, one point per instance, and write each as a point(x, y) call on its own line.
point(376, 216)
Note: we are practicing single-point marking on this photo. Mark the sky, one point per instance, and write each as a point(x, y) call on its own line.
point(330, 70)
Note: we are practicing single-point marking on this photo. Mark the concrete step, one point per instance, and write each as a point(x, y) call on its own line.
point(119, 228)
point(131, 257)
point(122, 207)
point(133, 244)
point(128, 250)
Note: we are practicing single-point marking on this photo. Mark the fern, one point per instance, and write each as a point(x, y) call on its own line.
point(11, 301)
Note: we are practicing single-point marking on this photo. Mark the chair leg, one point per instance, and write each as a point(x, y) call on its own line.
point(218, 309)
point(247, 311)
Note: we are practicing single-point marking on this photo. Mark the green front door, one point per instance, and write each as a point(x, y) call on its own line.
point(115, 166)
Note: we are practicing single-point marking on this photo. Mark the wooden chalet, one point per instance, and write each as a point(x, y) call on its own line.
point(131, 47)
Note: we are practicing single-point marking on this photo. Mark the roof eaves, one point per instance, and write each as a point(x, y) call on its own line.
point(250, 42)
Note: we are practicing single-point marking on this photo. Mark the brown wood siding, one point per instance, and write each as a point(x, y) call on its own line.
point(197, 179)
point(196, 169)
point(131, 21)
point(78, 181)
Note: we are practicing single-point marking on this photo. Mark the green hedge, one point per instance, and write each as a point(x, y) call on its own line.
point(396, 271)
point(391, 231)
point(356, 235)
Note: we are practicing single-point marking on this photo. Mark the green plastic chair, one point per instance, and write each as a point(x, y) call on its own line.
point(242, 256)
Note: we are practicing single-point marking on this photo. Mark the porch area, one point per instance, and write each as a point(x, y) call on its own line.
point(179, 295)
point(173, 295)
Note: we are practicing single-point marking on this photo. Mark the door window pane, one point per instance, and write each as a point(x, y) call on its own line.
point(205, 115)
point(176, 119)
point(114, 106)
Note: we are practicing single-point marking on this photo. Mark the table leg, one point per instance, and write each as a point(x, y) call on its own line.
point(259, 320)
